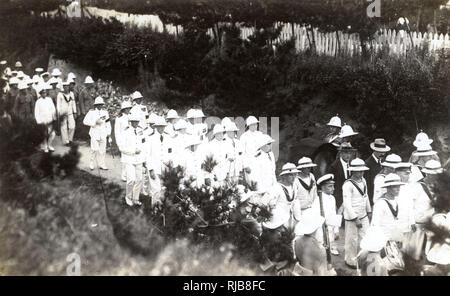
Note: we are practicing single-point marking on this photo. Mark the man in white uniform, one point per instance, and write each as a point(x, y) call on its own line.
point(120, 124)
point(45, 113)
point(66, 108)
point(133, 155)
point(388, 167)
point(100, 129)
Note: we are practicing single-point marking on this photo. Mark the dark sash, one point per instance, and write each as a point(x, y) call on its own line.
point(393, 211)
point(286, 192)
point(308, 188)
point(362, 192)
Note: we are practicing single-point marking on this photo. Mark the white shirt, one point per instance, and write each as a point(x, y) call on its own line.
point(329, 209)
point(422, 208)
point(192, 162)
point(263, 171)
point(159, 153)
point(65, 107)
point(44, 110)
point(308, 199)
point(345, 166)
point(249, 141)
point(383, 217)
point(405, 200)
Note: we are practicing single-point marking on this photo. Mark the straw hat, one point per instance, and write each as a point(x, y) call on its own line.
point(305, 162)
point(172, 114)
point(280, 215)
point(218, 128)
point(125, 105)
point(432, 167)
point(335, 121)
point(379, 145)
point(392, 180)
point(308, 224)
point(13, 80)
point(325, 179)
point(424, 149)
point(289, 168)
point(358, 165)
point(422, 138)
point(23, 85)
point(374, 240)
point(403, 165)
point(88, 80)
point(392, 160)
point(99, 101)
point(136, 95)
point(251, 120)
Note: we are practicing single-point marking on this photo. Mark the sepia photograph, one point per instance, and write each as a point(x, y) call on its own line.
point(219, 138)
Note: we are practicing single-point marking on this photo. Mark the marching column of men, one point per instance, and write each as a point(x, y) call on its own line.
point(383, 201)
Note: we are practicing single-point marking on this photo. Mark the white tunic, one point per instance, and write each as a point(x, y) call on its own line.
point(221, 153)
point(263, 171)
point(329, 208)
point(65, 107)
point(249, 141)
point(159, 152)
point(192, 163)
point(283, 197)
point(405, 200)
point(133, 140)
point(99, 131)
point(120, 124)
point(308, 198)
point(44, 110)
point(422, 208)
point(383, 217)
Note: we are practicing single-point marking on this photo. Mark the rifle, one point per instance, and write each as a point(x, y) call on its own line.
point(326, 238)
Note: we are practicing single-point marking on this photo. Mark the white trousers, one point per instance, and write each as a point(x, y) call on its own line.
point(98, 152)
point(353, 236)
point(134, 181)
point(50, 136)
point(154, 187)
point(67, 128)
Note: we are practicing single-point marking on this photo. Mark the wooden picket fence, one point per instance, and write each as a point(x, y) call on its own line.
point(331, 43)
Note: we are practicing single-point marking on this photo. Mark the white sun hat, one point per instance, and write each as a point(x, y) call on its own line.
point(305, 162)
point(134, 116)
point(198, 113)
point(20, 75)
point(264, 140)
point(379, 145)
point(424, 149)
point(3, 62)
point(160, 121)
point(14, 80)
point(218, 128)
point(190, 113)
point(136, 95)
point(225, 121)
point(193, 140)
point(328, 178)
point(289, 168)
point(39, 70)
point(432, 167)
point(45, 74)
point(172, 114)
point(230, 126)
point(180, 124)
point(125, 105)
point(335, 121)
point(392, 180)
point(99, 101)
point(23, 85)
point(308, 224)
point(152, 118)
point(71, 76)
point(358, 165)
point(18, 64)
point(70, 80)
point(439, 254)
point(88, 80)
point(66, 83)
point(280, 215)
point(42, 86)
point(52, 80)
point(251, 120)
point(347, 131)
point(392, 160)
point(422, 138)
point(403, 165)
point(56, 72)
point(374, 240)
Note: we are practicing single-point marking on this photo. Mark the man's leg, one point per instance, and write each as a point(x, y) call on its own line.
point(138, 183)
point(64, 130)
point(123, 172)
point(71, 124)
point(94, 149)
point(51, 137)
point(131, 178)
point(102, 154)
point(351, 242)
